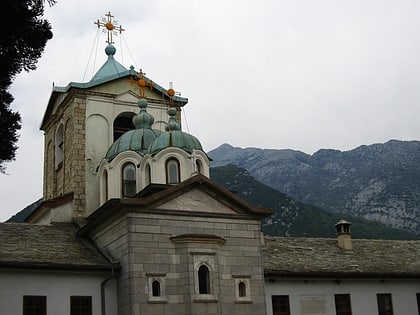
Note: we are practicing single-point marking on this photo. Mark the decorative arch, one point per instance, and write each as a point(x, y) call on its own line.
point(115, 173)
point(98, 136)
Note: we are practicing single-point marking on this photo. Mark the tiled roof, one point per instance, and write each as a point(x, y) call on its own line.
point(48, 247)
point(59, 247)
point(321, 257)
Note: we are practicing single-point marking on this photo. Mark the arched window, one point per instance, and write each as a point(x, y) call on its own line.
point(203, 280)
point(59, 146)
point(199, 166)
point(129, 188)
point(155, 288)
point(172, 171)
point(147, 175)
point(241, 289)
point(122, 124)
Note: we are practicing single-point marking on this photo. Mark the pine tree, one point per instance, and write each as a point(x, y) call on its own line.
point(21, 45)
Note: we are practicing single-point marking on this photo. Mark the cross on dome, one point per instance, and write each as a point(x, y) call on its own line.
point(108, 25)
point(171, 93)
point(142, 83)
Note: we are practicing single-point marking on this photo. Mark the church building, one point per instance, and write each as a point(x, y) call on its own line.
point(130, 223)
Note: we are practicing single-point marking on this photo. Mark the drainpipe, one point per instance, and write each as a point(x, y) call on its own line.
point(103, 283)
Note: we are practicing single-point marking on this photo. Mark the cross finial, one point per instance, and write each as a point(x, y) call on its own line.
point(108, 25)
point(171, 93)
point(141, 83)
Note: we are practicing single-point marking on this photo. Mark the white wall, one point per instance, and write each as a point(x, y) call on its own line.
point(57, 287)
point(362, 295)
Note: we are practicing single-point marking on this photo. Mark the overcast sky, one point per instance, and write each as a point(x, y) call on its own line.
point(293, 74)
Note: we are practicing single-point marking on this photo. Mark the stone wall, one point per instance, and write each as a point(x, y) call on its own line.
point(69, 175)
point(170, 249)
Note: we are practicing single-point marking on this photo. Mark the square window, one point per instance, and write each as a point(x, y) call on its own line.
point(342, 304)
point(384, 304)
point(280, 304)
point(34, 305)
point(80, 305)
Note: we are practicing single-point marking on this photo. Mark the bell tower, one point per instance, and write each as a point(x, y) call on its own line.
point(82, 121)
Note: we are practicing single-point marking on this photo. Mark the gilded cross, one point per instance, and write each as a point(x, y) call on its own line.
point(171, 93)
point(108, 25)
point(141, 82)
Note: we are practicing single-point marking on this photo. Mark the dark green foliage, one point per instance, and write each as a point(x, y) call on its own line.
point(21, 45)
point(10, 124)
point(293, 218)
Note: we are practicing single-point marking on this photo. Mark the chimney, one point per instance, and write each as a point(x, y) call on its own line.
point(344, 234)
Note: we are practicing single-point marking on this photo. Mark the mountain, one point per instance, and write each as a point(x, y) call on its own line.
point(292, 218)
point(379, 182)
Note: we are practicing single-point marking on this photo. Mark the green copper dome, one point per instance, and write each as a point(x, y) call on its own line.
point(139, 139)
point(174, 137)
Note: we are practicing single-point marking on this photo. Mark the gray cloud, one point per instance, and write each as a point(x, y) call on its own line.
point(303, 75)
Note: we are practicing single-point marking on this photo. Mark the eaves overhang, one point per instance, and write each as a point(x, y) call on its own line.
point(284, 274)
point(18, 265)
point(177, 100)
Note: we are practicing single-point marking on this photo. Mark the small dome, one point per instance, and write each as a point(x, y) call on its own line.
point(174, 137)
point(138, 139)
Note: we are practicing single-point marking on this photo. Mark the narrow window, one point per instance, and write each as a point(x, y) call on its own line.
point(199, 166)
point(172, 171)
point(129, 180)
point(342, 304)
point(384, 304)
point(59, 146)
point(203, 280)
point(34, 305)
point(147, 175)
point(242, 289)
point(105, 185)
point(122, 124)
point(280, 304)
point(155, 288)
point(80, 305)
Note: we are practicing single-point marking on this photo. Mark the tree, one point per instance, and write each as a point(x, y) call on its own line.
point(21, 45)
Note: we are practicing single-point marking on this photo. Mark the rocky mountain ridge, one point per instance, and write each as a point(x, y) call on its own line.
point(292, 218)
point(378, 182)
